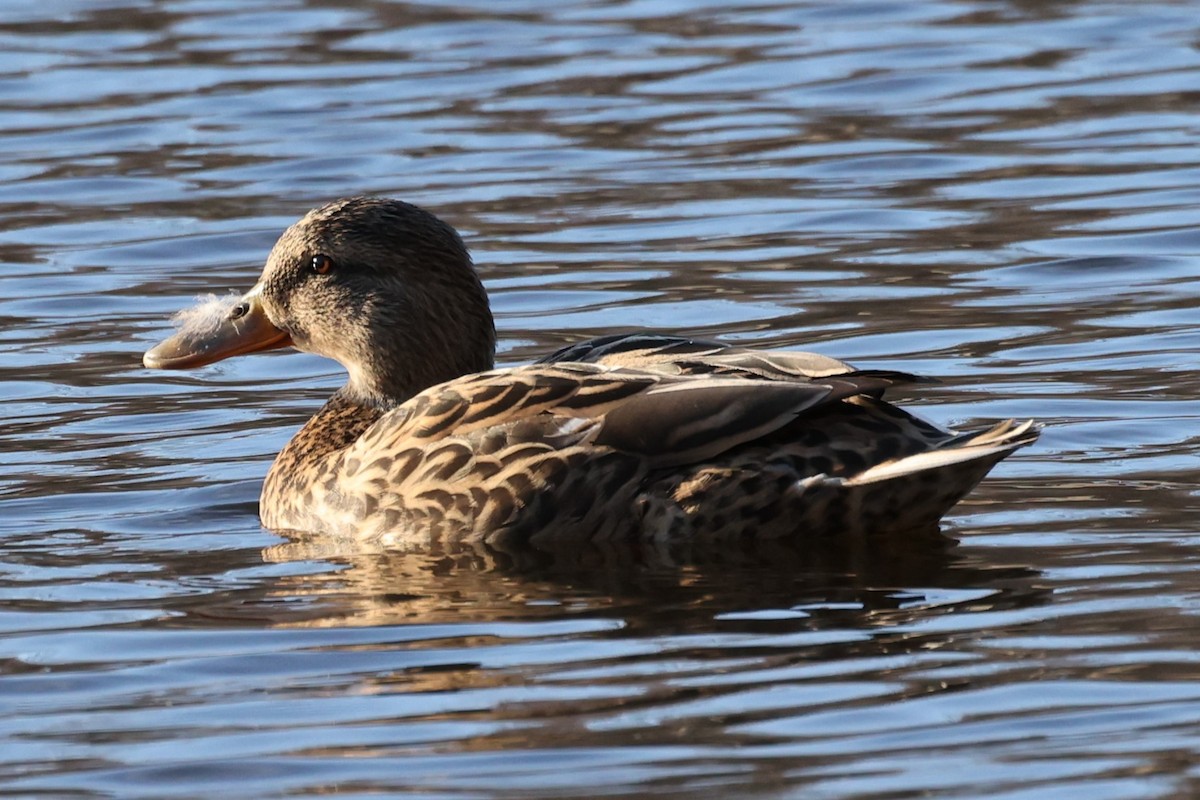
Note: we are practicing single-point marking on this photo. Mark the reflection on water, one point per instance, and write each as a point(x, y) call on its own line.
point(1001, 195)
point(480, 583)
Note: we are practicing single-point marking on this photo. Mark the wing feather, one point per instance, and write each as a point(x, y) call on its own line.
point(654, 401)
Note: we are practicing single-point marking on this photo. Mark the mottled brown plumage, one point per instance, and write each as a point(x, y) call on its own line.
point(623, 436)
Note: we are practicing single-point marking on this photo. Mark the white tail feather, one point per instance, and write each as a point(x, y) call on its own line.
point(1000, 439)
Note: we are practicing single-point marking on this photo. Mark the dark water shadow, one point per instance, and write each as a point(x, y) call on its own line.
point(652, 589)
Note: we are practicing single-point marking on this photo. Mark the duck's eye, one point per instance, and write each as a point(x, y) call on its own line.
point(321, 264)
point(239, 311)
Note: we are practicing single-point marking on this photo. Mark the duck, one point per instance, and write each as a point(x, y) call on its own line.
point(638, 436)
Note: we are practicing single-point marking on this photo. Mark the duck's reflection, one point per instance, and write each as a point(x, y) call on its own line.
point(645, 583)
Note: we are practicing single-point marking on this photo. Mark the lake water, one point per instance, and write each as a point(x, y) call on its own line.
point(1004, 195)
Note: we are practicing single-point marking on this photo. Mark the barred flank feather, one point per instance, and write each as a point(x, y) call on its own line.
point(726, 443)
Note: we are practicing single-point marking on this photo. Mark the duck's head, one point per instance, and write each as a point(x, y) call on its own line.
point(381, 286)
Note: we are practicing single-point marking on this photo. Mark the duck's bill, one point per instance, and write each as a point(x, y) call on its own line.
point(217, 330)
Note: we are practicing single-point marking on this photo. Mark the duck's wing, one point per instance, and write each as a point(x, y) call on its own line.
point(678, 355)
point(560, 447)
point(665, 419)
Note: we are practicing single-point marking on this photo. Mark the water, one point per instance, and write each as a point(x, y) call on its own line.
point(1000, 194)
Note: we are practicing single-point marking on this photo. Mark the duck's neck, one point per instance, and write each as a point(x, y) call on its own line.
point(312, 451)
point(386, 373)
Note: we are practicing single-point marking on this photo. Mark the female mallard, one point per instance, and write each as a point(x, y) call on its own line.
point(640, 435)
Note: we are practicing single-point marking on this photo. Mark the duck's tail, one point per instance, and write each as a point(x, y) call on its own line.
point(917, 490)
